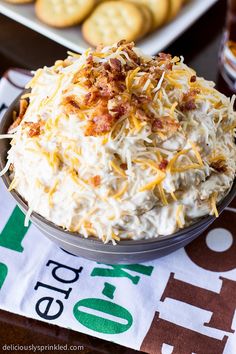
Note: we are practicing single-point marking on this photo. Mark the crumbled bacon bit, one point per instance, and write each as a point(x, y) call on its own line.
point(188, 101)
point(90, 59)
point(171, 124)
point(128, 48)
point(107, 66)
point(95, 181)
point(143, 79)
point(14, 124)
point(22, 109)
point(116, 64)
point(141, 115)
point(188, 106)
point(219, 166)
point(167, 58)
point(191, 94)
point(164, 56)
point(106, 88)
point(169, 66)
point(34, 131)
point(91, 97)
point(123, 166)
point(163, 164)
point(166, 124)
point(157, 125)
point(87, 98)
point(193, 78)
point(141, 99)
point(85, 75)
point(119, 111)
point(34, 128)
point(74, 104)
point(113, 70)
point(155, 71)
point(120, 43)
point(88, 83)
point(70, 104)
point(101, 122)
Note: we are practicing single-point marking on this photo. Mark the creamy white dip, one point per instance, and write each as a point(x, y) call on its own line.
point(112, 185)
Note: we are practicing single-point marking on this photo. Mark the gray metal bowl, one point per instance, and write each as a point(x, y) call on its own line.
point(129, 251)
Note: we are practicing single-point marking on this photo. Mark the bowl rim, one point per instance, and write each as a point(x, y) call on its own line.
point(176, 237)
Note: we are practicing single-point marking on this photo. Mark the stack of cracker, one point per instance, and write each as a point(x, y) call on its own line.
point(105, 21)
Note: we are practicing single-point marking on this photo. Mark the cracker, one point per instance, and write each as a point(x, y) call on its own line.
point(63, 13)
point(148, 19)
point(19, 1)
point(112, 21)
point(100, 1)
point(174, 8)
point(159, 9)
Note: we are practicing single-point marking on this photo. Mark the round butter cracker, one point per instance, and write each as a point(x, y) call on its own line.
point(148, 19)
point(18, 2)
point(174, 8)
point(159, 9)
point(63, 13)
point(112, 21)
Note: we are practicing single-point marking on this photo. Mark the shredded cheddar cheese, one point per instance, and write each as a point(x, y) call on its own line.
point(72, 54)
point(49, 99)
point(174, 159)
point(173, 82)
point(198, 156)
point(173, 108)
point(121, 192)
point(213, 199)
point(179, 214)
point(149, 163)
point(115, 237)
point(26, 95)
point(34, 80)
point(215, 158)
point(185, 168)
point(13, 184)
point(130, 78)
point(51, 192)
point(117, 169)
point(155, 182)
point(162, 195)
point(173, 196)
point(136, 123)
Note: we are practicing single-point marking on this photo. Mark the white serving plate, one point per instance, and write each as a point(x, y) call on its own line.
point(72, 37)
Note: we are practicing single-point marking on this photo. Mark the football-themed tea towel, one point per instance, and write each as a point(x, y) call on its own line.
point(183, 303)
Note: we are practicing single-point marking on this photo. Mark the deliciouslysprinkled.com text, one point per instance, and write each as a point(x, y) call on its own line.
point(41, 348)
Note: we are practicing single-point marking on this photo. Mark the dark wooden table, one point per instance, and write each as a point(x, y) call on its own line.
point(21, 47)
